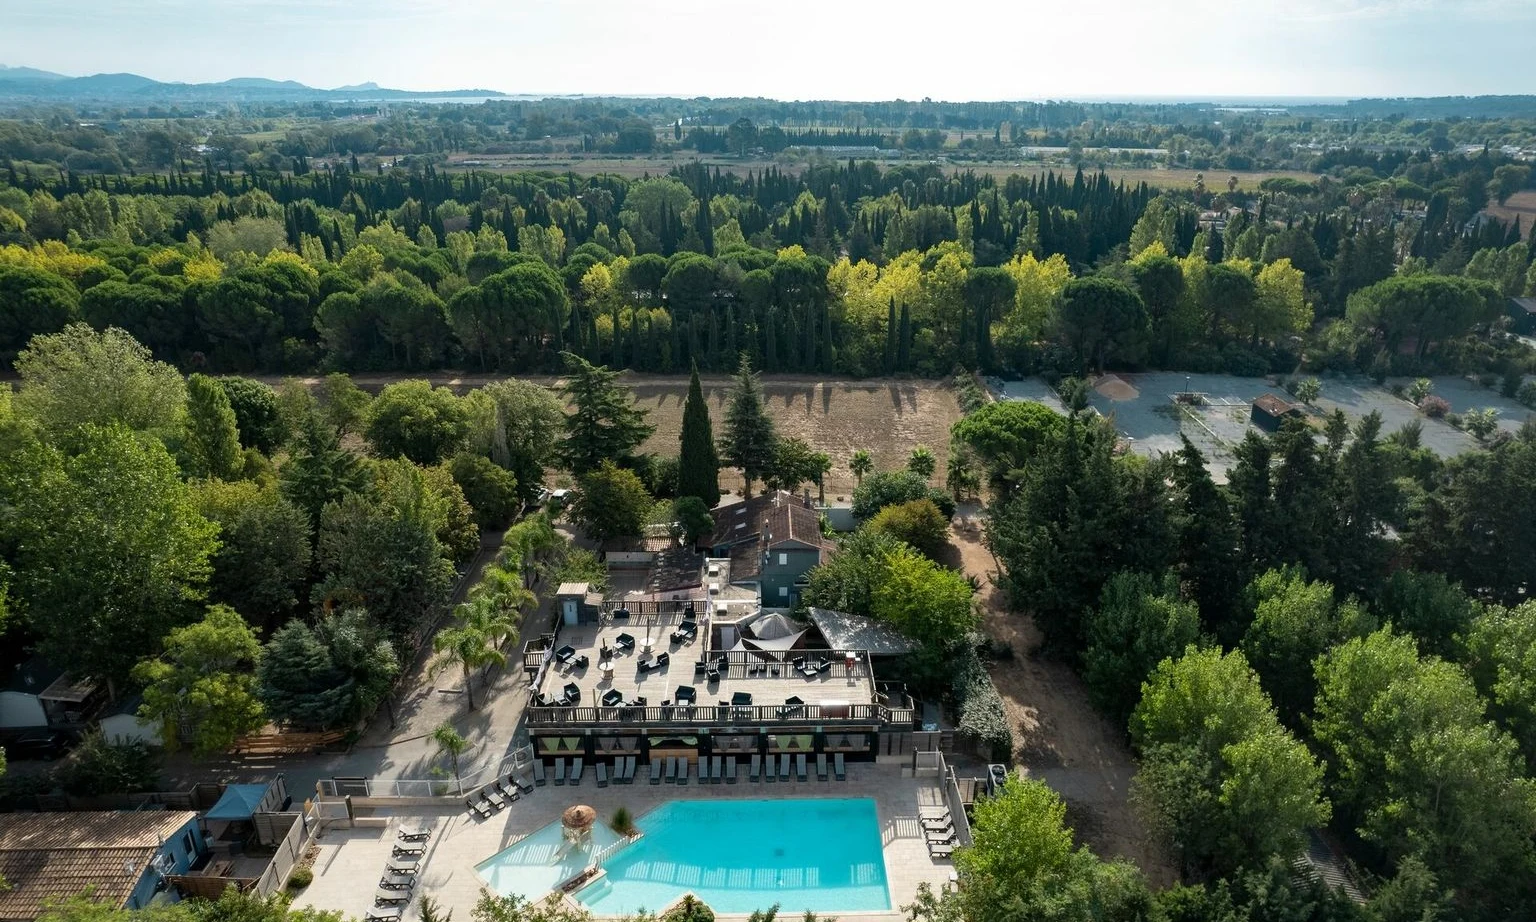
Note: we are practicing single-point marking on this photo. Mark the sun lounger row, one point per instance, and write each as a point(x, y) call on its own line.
point(577, 768)
point(498, 794)
point(398, 882)
point(778, 767)
point(939, 833)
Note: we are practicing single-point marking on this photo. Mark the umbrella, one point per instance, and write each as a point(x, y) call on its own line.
point(578, 817)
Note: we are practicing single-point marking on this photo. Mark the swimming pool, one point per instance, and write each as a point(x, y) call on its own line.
point(536, 864)
point(743, 855)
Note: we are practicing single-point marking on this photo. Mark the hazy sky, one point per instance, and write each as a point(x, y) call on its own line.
point(801, 49)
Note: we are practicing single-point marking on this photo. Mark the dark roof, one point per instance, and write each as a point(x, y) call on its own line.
point(33, 676)
point(746, 562)
point(1273, 405)
point(1526, 304)
point(773, 517)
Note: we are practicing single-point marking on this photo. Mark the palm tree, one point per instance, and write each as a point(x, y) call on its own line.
point(452, 744)
point(823, 463)
point(861, 463)
point(922, 462)
point(472, 643)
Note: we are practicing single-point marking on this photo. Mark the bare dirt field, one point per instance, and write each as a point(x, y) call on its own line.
point(884, 416)
point(1521, 205)
point(887, 417)
point(1058, 736)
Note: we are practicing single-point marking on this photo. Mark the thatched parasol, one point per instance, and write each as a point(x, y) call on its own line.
point(580, 817)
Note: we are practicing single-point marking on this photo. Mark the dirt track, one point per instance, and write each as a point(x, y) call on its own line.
point(1058, 736)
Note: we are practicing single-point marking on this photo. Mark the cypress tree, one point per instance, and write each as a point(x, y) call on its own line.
point(698, 469)
point(891, 336)
point(904, 345)
point(213, 441)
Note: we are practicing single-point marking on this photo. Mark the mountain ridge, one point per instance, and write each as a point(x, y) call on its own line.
point(33, 83)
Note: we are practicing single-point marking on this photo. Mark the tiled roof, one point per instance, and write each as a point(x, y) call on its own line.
point(746, 562)
point(38, 878)
point(53, 856)
point(774, 517)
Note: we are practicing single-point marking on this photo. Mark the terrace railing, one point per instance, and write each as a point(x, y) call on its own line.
point(721, 715)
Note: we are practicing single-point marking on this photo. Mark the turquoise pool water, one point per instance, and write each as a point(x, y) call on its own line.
point(742, 855)
point(536, 864)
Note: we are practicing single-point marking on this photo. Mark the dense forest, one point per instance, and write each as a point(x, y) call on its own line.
point(841, 268)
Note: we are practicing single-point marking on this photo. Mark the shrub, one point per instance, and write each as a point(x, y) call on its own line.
point(623, 823)
point(919, 523)
point(1432, 406)
point(1481, 423)
point(691, 909)
point(301, 877)
point(1420, 389)
point(1527, 394)
point(969, 393)
point(890, 488)
point(982, 718)
point(99, 767)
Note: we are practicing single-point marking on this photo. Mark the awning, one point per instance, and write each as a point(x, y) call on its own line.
point(238, 803)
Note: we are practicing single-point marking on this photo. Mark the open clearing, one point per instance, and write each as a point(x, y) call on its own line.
point(887, 417)
point(1058, 737)
point(1521, 205)
point(637, 167)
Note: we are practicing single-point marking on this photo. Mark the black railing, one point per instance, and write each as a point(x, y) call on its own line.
point(724, 715)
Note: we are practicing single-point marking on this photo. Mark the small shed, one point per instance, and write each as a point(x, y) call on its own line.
point(124, 725)
point(1522, 316)
point(1271, 411)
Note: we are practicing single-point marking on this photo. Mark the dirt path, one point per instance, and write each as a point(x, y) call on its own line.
point(1058, 736)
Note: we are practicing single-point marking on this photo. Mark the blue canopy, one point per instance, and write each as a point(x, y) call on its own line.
point(238, 803)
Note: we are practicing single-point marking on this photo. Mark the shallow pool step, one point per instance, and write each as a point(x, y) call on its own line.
point(594, 891)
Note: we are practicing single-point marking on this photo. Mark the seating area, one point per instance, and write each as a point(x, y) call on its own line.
point(501, 793)
point(630, 653)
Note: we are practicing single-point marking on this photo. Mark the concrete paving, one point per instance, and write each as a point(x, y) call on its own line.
point(351, 861)
point(1142, 409)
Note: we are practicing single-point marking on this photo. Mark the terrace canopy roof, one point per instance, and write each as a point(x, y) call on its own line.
point(238, 803)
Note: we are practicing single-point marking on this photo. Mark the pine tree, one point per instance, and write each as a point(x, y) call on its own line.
point(213, 441)
point(750, 439)
point(698, 471)
point(603, 426)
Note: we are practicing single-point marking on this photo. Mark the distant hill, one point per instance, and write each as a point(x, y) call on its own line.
point(29, 83)
point(8, 74)
point(255, 83)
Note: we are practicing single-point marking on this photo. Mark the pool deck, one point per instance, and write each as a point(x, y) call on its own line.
point(351, 861)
